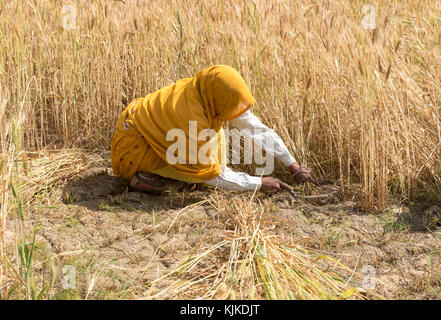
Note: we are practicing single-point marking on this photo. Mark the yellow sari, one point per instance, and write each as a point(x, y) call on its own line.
point(139, 144)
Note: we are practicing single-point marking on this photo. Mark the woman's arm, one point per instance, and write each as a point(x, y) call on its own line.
point(239, 181)
point(235, 181)
point(261, 135)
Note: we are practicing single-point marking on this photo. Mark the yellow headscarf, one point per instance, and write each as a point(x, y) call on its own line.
point(213, 95)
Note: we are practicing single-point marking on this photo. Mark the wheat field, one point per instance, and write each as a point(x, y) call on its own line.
point(358, 100)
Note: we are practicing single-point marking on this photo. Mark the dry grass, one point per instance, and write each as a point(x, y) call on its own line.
point(41, 172)
point(358, 105)
point(251, 263)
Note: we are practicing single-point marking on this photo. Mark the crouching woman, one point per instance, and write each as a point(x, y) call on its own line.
point(141, 146)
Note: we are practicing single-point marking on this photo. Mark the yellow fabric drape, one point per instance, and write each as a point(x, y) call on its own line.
point(218, 141)
point(213, 95)
point(130, 152)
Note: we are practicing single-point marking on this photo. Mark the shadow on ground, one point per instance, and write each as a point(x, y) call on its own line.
point(97, 188)
point(421, 217)
point(136, 237)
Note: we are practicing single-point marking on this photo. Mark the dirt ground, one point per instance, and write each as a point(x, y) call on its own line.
point(117, 239)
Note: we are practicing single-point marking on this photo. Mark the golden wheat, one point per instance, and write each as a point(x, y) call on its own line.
point(362, 106)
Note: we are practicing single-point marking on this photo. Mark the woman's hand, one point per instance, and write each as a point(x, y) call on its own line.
point(302, 174)
point(271, 185)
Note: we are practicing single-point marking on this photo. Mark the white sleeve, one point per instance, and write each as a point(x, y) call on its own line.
point(262, 135)
point(235, 181)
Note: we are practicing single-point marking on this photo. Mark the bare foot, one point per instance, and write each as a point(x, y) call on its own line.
point(152, 183)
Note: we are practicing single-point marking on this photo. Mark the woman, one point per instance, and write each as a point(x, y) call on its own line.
point(141, 148)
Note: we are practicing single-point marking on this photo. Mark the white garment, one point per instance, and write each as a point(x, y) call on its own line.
point(260, 134)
